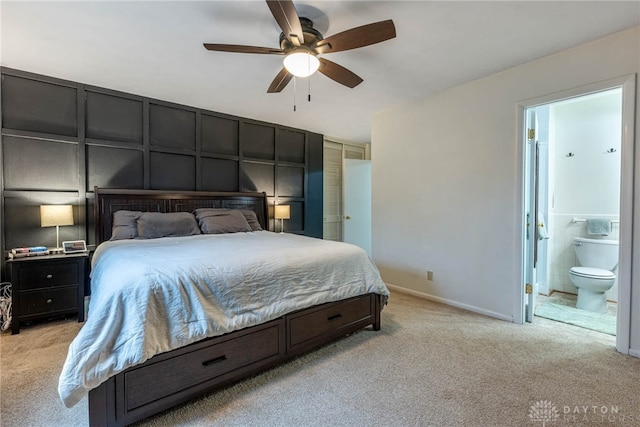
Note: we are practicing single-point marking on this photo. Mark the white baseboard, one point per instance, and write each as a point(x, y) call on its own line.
point(634, 353)
point(451, 302)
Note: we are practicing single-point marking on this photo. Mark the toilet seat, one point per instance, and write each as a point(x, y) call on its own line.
point(592, 273)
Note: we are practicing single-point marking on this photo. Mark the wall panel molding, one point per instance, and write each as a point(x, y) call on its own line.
point(60, 139)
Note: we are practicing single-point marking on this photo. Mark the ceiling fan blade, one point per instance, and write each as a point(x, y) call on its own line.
point(282, 79)
point(242, 49)
point(338, 73)
point(287, 18)
point(357, 37)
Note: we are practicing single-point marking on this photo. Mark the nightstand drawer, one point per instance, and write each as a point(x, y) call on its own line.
point(46, 275)
point(49, 301)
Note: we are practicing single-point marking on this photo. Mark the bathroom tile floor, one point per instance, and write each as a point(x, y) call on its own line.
point(561, 307)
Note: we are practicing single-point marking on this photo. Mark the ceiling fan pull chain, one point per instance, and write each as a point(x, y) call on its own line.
point(294, 93)
point(309, 78)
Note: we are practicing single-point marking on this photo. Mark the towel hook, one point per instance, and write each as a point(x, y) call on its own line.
point(570, 155)
point(611, 150)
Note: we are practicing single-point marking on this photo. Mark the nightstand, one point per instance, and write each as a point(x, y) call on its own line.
point(46, 286)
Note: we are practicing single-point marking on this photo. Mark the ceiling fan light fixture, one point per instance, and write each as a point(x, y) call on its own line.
point(301, 63)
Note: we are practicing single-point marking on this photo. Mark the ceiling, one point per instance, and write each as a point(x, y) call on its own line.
point(154, 49)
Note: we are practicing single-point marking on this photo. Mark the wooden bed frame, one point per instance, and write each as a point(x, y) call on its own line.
point(177, 376)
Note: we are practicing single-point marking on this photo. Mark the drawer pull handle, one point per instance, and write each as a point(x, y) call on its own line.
point(49, 276)
point(214, 361)
point(49, 301)
point(334, 317)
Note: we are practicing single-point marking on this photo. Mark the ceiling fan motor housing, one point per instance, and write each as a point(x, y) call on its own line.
point(311, 35)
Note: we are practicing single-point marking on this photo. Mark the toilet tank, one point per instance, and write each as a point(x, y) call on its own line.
point(596, 253)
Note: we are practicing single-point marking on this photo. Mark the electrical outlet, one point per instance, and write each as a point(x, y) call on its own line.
point(430, 276)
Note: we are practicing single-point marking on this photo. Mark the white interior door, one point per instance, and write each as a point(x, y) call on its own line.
point(357, 203)
point(531, 213)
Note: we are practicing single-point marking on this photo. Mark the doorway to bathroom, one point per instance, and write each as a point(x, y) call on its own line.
point(574, 171)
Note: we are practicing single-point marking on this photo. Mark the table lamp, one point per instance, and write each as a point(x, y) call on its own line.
point(282, 212)
point(57, 215)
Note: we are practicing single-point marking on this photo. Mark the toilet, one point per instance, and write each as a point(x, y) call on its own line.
point(598, 258)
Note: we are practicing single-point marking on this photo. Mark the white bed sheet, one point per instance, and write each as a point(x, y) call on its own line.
point(152, 296)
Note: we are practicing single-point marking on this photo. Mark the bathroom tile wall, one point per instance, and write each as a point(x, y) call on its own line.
point(562, 255)
point(584, 177)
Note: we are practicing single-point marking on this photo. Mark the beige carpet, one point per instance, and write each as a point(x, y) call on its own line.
point(430, 365)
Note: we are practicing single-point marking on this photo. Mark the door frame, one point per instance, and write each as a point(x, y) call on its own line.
point(628, 85)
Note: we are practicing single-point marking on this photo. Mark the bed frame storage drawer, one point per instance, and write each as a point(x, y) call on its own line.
point(177, 376)
point(329, 320)
point(209, 364)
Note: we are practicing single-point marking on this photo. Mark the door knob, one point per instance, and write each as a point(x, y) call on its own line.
point(347, 217)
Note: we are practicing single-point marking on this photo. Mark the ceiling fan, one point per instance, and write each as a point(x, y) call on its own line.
point(301, 44)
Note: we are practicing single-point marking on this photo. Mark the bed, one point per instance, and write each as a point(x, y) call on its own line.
point(175, 316)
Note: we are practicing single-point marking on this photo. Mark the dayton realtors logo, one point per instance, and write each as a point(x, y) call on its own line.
point(546, 411)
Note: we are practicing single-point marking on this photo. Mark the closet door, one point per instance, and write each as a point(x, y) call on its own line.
point(332, 223)
point(334, 155)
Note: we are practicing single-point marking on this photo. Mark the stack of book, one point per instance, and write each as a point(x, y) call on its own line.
point(25, 252)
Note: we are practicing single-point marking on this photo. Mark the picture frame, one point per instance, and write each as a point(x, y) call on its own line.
point(74, 246)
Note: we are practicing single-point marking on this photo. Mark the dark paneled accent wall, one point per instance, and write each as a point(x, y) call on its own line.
point(60, 139)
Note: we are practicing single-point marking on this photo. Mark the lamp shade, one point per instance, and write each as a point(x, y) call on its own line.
point(282, 212)
point(52, 215)
point(301, 63)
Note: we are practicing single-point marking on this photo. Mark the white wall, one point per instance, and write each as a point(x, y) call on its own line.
point(446, 179)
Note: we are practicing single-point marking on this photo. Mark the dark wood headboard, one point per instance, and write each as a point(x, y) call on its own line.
point(110, 200)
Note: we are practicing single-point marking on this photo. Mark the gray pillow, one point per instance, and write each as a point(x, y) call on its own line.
point(152, 225)
point(252, 219)
point(219, 221)
point(124, 225)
